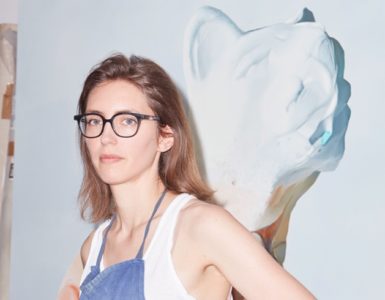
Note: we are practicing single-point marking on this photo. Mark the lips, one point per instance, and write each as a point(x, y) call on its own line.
point(109, 158)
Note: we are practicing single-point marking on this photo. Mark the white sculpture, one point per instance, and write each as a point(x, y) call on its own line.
point(270, 110)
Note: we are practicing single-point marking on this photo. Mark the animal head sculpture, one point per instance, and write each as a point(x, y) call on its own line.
point(270, 109)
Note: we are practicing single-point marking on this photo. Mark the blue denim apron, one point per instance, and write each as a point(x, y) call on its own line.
point(121, 281)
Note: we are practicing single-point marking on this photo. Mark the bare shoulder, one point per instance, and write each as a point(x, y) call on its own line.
point(212, 231)
point(198, 210)
point(86, 246)
point(236, 253)
point(204, 219)
point(211, 228)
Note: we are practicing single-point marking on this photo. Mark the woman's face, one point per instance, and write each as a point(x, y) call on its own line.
point(116, 159)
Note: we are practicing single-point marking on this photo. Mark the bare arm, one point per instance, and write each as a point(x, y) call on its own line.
point(69, 288)
point(85, 248)
point(243, 260)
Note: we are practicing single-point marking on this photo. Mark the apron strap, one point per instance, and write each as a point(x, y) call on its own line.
point(140, 252)
point(104, 242)
point(158, 203)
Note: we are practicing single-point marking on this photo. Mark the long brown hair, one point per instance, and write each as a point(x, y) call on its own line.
point(178, 168)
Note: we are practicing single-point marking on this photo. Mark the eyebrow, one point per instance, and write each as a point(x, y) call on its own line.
point(116, 112)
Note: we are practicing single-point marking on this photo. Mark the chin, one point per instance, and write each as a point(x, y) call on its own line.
point(112, 180)
point(110, 177)
point(116, 178)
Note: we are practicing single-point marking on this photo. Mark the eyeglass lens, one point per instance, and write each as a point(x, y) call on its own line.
point(124, 125)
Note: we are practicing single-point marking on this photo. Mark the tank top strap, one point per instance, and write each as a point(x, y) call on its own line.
point(164, 235)
point(156, 207)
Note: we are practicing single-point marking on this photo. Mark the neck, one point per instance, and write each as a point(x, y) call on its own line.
point(135, 201)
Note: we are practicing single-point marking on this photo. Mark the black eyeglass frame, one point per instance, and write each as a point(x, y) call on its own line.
point(138, 116)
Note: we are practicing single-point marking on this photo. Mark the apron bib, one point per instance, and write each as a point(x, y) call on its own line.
point(121, 281)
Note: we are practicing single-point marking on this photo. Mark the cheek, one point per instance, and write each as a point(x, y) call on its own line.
point(142, 150)
point(145, 140)
point(92, 149)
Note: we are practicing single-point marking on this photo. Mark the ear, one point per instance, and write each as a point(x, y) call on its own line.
point(166, 138)
point(208, 33)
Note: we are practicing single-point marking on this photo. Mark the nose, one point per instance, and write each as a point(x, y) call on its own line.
point(108, 135)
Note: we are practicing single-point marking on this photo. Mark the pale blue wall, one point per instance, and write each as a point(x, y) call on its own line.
point(8, 11)
point(337, 233)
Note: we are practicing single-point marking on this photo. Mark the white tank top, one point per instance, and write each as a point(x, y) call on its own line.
point(161, 281)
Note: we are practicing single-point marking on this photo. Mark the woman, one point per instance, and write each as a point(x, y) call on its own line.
point(159, 237)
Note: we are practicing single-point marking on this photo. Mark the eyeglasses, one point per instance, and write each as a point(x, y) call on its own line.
point(124, 124)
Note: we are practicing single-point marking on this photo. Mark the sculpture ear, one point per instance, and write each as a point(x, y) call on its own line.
point(305, 15)
point(208, 33)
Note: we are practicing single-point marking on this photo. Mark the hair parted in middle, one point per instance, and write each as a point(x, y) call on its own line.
point(178, 168)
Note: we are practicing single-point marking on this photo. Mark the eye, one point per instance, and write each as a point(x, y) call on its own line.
point(128, 120)
point(93, 121)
